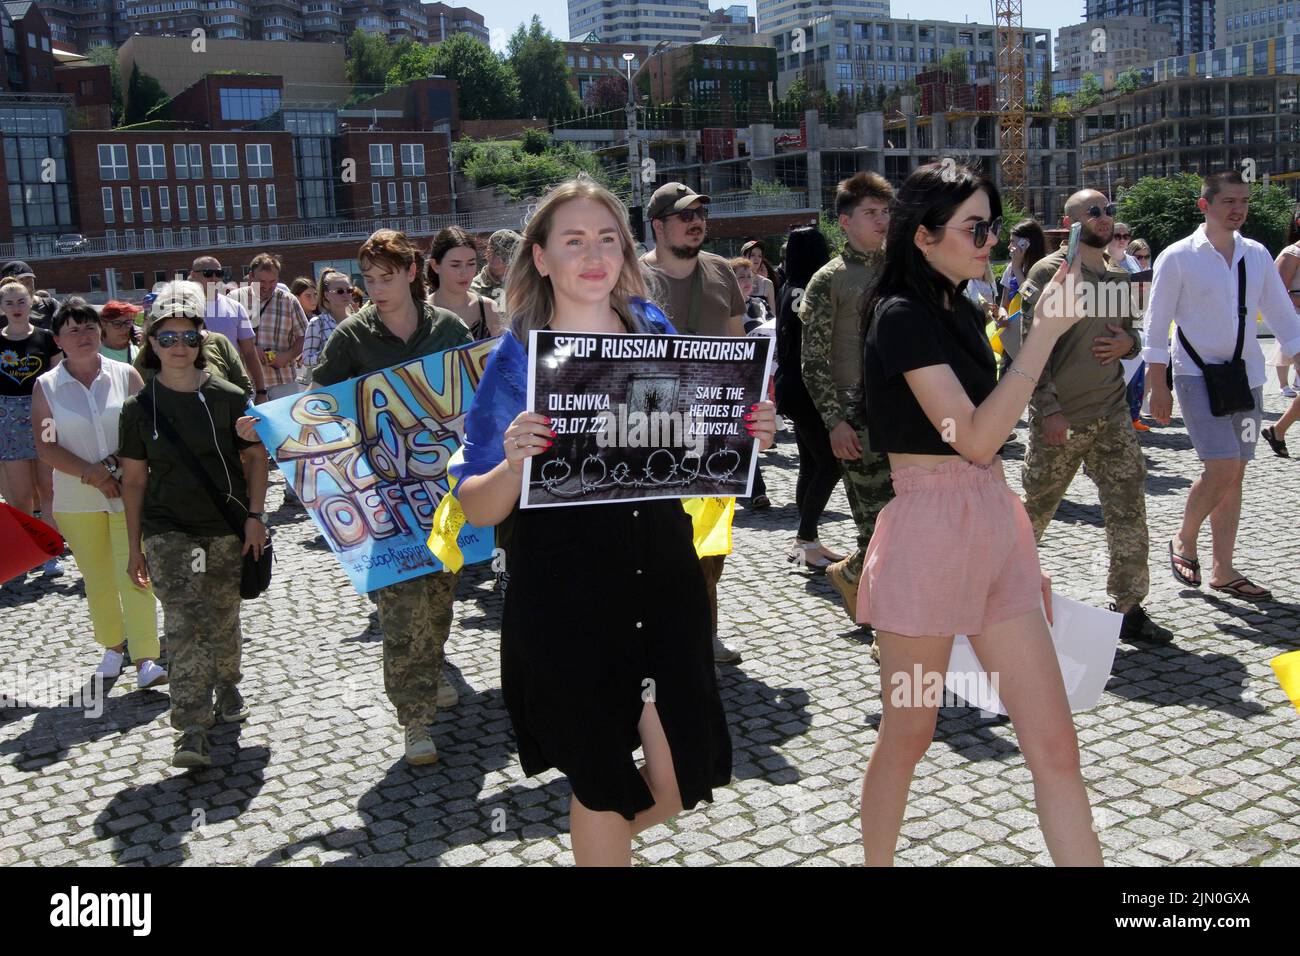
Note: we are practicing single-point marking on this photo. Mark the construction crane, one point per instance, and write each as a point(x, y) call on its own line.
point(1012, 135)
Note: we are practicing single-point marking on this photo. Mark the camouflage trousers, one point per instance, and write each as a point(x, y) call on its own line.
point(415, 616)
point(869, 489)
point(1112, 456)
point(196, 579)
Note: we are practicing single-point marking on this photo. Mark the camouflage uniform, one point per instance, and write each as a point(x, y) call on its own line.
point(200, 618)
point(833, 332)
point(415, 617)
point(483, 284)
point(1093, 398)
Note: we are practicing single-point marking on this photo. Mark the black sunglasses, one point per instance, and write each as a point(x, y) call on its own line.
point(690, 215)
point(980, 231)
point(345, 291)
point(211, 273)
point(190, 338)
point(1109, 209)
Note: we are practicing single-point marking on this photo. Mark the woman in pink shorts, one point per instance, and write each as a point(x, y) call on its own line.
point(954, 552)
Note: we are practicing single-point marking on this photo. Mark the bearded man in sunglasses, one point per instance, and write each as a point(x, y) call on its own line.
point(1079, 412)
point(228, 317)
point(700, 293)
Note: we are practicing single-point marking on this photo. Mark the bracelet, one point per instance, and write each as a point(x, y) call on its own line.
point(257, 516)
point(1016, 371)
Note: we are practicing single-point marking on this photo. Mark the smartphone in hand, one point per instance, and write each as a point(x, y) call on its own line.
point(1072, 248)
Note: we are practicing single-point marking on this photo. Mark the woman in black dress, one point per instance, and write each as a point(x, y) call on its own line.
point(605, 638)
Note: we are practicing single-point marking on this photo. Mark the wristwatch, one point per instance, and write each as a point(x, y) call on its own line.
point(258, 516)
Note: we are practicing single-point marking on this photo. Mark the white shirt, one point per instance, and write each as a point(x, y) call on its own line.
point(1195, 288)
point(85, 423)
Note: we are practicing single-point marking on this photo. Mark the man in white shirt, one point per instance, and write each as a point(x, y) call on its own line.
point(1195, 286)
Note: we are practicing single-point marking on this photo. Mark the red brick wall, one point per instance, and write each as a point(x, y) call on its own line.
point(354, 198)
point(84, 156)
point(499, 129)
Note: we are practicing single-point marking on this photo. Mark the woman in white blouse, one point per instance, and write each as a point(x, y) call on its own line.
point(75, 410)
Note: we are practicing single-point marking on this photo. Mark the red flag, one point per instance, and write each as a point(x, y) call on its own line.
point(27, 542)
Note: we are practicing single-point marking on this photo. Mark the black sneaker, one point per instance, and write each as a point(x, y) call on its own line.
point(1140, 629)
point(230, 707)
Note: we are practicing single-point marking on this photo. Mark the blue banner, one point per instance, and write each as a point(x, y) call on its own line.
point(368, 459)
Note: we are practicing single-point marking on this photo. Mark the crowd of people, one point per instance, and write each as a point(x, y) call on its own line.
point(902, 363)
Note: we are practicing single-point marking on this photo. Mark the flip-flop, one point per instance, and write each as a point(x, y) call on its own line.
point(1190, 563)
point(1234, 588)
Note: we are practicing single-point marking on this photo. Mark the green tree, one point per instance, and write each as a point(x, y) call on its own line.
point(1043, 95)
point(106, 55)
point(143, 94)
point(1128, 81)
point(488, 87)
point(796, 95)
point(371, 56)
point(537, 59)
point(1163, 210)
point(1089, 92)
point(954, 64)
point(1062, 106)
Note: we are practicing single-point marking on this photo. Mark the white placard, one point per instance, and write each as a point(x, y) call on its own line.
point(1086, 639)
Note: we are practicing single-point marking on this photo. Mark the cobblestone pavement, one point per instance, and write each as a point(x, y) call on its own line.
point(1192, 757)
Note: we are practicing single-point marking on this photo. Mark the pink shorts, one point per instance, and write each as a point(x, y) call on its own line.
point(952, 553)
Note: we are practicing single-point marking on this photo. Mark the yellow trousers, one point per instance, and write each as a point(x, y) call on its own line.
point(119, 611)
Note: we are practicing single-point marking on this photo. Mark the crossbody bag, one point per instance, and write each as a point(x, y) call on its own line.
point(1227, 383)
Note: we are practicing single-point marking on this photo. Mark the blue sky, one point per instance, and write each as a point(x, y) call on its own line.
point(502, 18)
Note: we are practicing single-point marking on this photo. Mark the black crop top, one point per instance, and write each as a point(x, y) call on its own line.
point(906, 335)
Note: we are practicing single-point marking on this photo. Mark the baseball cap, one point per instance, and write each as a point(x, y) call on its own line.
point(178, 300)
point(503, 242)
point(670, 198)
point(16, 269)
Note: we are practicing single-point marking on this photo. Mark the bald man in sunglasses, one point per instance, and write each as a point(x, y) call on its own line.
point(1079, 412)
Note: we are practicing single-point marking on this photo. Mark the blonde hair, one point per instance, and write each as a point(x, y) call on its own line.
point(530, 299)
point(6, 283)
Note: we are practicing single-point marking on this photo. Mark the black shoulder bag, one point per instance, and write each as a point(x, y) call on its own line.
point(1227, 382)
point(255, 576)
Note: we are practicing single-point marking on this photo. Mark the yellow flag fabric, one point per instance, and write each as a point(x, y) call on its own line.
point(447, 522)
point(995, 337)
point(710, 517)
point(1287, 669)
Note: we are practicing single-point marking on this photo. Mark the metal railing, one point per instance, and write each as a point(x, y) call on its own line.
point(200, 236)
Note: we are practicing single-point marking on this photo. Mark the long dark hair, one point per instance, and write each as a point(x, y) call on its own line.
point(1031, 230)
point(928, 198)
point(806, 251)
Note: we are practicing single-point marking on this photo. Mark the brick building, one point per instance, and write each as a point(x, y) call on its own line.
point(25, 40)
point(145, 190)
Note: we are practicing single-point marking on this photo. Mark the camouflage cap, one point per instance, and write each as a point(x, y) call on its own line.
point(504, 242)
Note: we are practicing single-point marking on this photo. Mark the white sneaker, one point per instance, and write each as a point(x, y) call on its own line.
point(53, 568)
point(1288, 391)
point(149, 674)
point(447, 696)
point(110, 666)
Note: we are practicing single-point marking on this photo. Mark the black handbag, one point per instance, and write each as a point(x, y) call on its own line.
point(1227, 382)
point(255, 574)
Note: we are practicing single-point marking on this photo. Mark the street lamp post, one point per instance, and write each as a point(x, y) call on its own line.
point(633, 144)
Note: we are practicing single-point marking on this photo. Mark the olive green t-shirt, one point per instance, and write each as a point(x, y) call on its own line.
point(175, 499)
point(719, 298)
point(362, 344)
